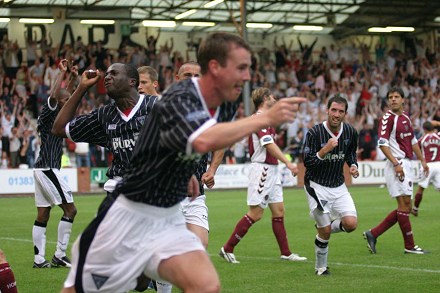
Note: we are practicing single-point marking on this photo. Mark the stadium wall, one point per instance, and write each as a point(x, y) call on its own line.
point(21, 181)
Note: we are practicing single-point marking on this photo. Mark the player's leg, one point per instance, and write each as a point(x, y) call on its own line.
point(7, 278)
point(345, 211)
point(254, 214)
point(39, 237)
point(323, 227)
point(43, 203)
point(191, 272)
point(279, 230)
point(403, 212)
point(417, 200)
point(64, 232)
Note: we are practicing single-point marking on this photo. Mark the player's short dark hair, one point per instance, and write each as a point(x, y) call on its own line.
point(428, 126)
point(152, 73)
point(185, 64)
point(396, 89)
point(216, 46)
point(132, 73)
point(338, 98)
point(258, 96)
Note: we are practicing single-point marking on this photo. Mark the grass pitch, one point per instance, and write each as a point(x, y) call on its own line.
point(353, 268)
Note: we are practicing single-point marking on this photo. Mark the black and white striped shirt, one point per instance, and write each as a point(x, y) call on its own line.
point(108, 127)
point(328, 171)
point(163, 159)
point(51, 148)
point(227, 113)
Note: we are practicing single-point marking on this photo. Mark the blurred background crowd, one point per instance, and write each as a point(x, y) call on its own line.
point(360, 69)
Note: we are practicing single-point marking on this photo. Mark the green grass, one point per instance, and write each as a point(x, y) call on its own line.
point(353, 268)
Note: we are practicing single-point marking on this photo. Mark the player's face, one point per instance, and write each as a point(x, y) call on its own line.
point(188, 71)
point(236, 72)
point(116, 80)
point(336, 114)
point(395, 101)
point(146, 86)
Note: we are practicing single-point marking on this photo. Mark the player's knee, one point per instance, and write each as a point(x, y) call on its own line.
point(350, 226)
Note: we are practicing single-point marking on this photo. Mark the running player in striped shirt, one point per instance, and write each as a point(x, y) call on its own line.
point(144, 231)
point(328, 147)
point(50, 188)
point(429, 143)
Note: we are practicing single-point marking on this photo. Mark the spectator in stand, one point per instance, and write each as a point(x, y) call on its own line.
point(82, 155)
point(306, 50)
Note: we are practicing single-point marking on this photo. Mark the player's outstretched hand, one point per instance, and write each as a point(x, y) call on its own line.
point(284, 110)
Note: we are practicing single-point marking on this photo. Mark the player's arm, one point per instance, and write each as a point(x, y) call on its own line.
point(67, 113)
point(55, 96)
point(208, 176)
point(275, 151)
point(311, 148)
point(397, 166)
point(418, 152)
point(231, 132)
point(351, 157)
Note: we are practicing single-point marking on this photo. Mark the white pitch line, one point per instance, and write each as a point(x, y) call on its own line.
point(350, 265)
point(23, 240)
point(270, 258)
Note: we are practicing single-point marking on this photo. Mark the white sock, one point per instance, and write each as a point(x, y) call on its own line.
point(336, 226)
point(39, 238)
point(64, 231)
point(321, 252)
point(163, 286)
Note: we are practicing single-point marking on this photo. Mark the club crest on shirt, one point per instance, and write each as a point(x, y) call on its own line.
point(141, 119)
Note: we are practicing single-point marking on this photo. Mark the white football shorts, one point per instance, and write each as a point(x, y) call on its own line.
point(433, 176)
point(50, 188)
point(336, 201)
point(132, 238)
point(196, 211)
point(395, 186)
point(264, 185)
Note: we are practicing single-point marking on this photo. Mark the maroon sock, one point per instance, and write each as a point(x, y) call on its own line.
point(7, 279)
point(281, 235)
point(405, 227)
point(240, 230)
point(387, 223)
point(418, 199)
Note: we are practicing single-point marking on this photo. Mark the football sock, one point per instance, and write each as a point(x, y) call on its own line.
point(7, 279)
point(337, 226)
point(405, 227)
point(418, 199)
point(163, 286)
point(39, 238)
point(387, 223)
point(64, 231)
point(321, 252)
point(280, 234)
point(240, 230)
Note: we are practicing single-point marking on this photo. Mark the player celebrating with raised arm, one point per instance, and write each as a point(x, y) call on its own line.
point(429, 143)
point(144, 231)
point(328, 146)
point(50, 188)
point(264, 188)
point(115, 126)
point(397, 142)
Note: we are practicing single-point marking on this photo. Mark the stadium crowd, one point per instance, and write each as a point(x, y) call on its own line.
point(359, 69)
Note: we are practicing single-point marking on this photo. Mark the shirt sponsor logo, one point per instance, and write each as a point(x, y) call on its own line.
point(403, 135)
point(267, 139)
point(198, 115)
point(334, 157)
point(123, 144)
point(111, 126)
